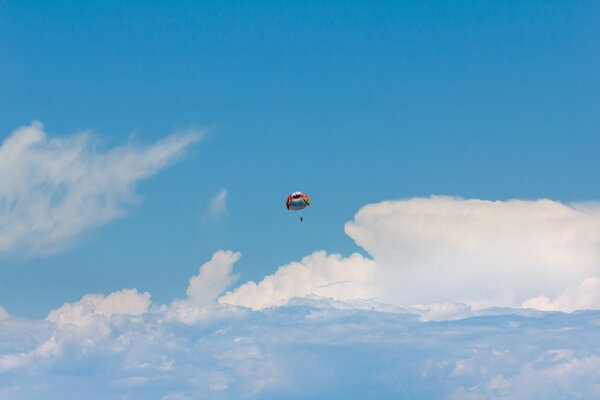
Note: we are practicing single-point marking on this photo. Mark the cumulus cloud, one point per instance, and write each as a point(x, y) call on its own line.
point(52, 188)
point(125, 301)
point(319, 274)
point(93, 312)
point(295, 337)
point(446, 257)
point(570, 377)
point(446, 311)
point(353, 325)
point(585, 296)
point(213, 278)
point(481, 253)
point(304, 349)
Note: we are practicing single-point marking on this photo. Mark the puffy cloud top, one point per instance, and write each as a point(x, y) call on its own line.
point(305, 349)
point(318, 274)
point(213, 278)
point(585, 296)
point(82, 312)
point(443, 248)
point(446, 256)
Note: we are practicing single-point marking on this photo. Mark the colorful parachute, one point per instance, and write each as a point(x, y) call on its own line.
point(297, 201)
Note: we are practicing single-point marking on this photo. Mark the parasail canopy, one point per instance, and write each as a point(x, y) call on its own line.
point(297, 201)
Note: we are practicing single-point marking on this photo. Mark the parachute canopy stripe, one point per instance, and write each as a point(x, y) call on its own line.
point(297, 201)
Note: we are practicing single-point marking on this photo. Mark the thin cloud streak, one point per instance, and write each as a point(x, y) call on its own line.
point(218, 206)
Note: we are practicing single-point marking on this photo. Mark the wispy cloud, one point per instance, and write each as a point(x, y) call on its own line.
point(218, 206)
point(51, 189)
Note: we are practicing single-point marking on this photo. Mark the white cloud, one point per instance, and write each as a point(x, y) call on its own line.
point(51, 189)
point(316, 327)
point(571, 378)
point(585, 296)
point(446, 257)
point(311, 345)
point(213, 278)
point(305, 349)
point(445, 311)
point(94, 311)
point(431, 250)
point(218, 206)
point(318, 274)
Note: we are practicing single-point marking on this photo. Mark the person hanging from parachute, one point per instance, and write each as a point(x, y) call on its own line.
point(297, 201)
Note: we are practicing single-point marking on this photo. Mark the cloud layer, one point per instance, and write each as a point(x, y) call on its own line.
point(308, 331)
point(116, 346)
point(409, 320)
point(51, 189)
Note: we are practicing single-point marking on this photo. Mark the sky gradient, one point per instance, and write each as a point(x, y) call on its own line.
point(449, 150)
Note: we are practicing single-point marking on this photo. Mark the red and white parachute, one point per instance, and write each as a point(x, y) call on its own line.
point(297, 201)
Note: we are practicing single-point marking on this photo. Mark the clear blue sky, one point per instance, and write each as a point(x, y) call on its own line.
point(352, 104)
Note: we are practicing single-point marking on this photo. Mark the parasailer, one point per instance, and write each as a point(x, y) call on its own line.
point(297, 201)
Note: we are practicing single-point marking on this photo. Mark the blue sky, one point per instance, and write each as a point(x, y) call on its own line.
point(160, 113)
point(352, 104)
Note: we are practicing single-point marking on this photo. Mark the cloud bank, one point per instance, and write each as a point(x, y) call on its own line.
point(323, 327)
point(318, 274)
point(120, 346)
point(445, 255)
point(442, 248)
point(51, 189)
point(409, 320)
